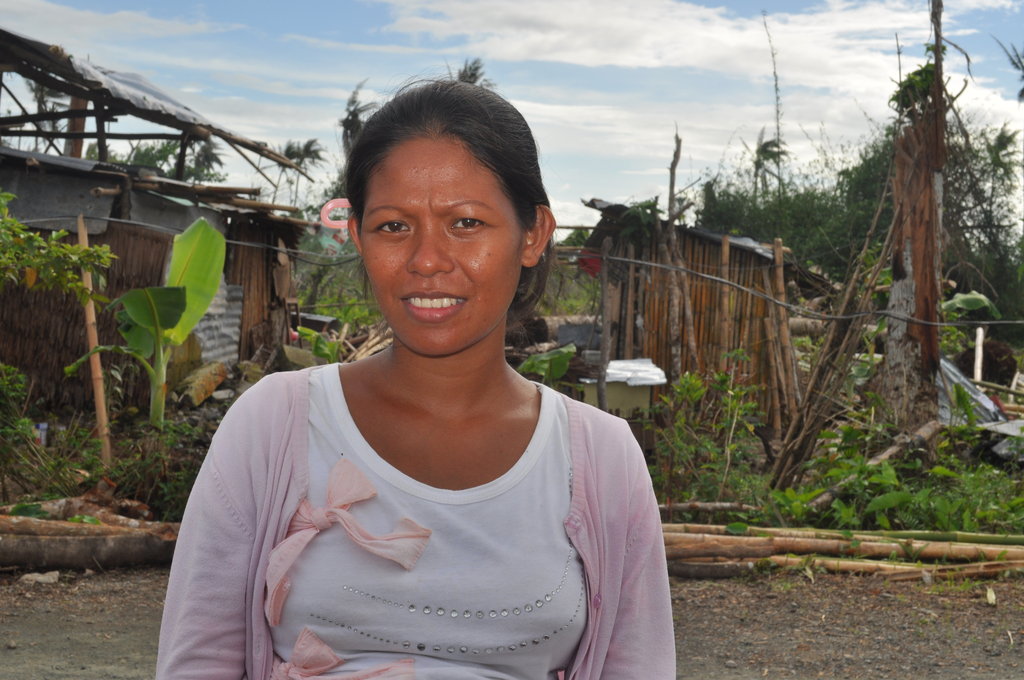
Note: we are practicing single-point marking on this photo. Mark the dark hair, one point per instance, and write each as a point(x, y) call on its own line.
point(490, 128)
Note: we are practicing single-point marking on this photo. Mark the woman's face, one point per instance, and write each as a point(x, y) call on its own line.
point(443, 248)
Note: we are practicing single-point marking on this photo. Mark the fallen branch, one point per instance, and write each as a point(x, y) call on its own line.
point(701, 506)
point(921, 437)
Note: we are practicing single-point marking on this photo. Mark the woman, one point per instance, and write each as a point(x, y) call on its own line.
point(426, 512)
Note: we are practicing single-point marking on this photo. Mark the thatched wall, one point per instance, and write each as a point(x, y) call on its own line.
point(41, 332)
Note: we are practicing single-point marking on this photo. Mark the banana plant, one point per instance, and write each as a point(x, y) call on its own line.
point(152, 320)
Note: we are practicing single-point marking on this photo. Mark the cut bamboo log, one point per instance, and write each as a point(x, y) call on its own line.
point(717, 546)
point(709, 570)
point(701, 506)
point(845, 565)
point(943, 536)
point(696, 545)
point(951, 572)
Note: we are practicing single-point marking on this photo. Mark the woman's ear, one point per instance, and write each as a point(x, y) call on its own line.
point(353, 233)
point(538, 236)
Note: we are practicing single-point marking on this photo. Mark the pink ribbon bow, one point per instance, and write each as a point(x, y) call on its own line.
point(346, 485)
point(310, 657)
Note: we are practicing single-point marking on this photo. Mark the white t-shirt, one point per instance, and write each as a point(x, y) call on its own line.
point(498, 592)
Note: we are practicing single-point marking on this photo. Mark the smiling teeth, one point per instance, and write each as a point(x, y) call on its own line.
point(433, 303)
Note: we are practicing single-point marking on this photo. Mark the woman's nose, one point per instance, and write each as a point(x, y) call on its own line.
point(430, 253)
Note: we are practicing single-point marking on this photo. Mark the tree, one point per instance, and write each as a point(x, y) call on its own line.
point(201, 160)
point(472, 72)
point(28, 259)
point(304, 155)
point(1016, 58)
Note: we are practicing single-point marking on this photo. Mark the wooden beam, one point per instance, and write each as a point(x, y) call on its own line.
point(58, 134)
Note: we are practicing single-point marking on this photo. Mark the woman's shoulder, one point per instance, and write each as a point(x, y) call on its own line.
point(594, 421)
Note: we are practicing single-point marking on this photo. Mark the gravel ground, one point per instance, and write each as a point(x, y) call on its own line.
point(104, 627)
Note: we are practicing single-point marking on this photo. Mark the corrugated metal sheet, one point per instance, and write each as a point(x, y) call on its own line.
point(220, 328)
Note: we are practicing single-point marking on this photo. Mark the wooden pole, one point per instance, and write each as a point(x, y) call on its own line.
point(606, 325)
point(630, 325)
point(724, 309)
point(76, 124)
point(787, 367)
point(92, 339)
point(979, 352)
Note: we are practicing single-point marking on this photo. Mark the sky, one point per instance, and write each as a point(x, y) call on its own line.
point(604, 84)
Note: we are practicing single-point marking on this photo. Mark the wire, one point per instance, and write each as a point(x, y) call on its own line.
point(803, 311)
point(299, 255)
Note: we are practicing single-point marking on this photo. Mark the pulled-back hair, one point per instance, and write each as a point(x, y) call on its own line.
point(489, 127)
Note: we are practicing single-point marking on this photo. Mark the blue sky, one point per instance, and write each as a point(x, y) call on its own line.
point(604, 83)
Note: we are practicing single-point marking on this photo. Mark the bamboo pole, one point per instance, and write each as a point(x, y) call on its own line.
point(717, 545)
point(845, 565)
point(955, 571)
point(95, 368)
point(699, 506)
point(870, 535)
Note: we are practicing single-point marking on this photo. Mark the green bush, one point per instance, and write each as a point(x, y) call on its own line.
point(705, 446)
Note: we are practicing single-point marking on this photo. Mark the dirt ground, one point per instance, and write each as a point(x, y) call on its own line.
point(104, 627)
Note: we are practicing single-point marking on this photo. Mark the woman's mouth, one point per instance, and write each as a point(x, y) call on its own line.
point(434, 303)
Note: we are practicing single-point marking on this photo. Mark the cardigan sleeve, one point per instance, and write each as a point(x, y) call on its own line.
point(642, 643)
point(617, 527)
point(203, 633)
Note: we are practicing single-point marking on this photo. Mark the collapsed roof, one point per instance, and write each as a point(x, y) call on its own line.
point(112, 94)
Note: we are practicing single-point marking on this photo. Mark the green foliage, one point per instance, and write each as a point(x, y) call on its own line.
point(29, 510)
point(550, 365)
point(955, 493)
point(155, 467)
point(50, 263)
point(332, 282)
point(154, 319)
point(325, 348)
point(24, 464)
point(705, 447)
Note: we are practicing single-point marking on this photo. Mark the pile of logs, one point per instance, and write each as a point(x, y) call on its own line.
point(715, 551)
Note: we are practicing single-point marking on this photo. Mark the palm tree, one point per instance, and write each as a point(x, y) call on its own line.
point(767, 153)
point(472, 72)
point(352, 122)
point(304, 155)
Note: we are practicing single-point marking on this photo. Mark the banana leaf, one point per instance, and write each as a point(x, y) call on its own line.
point(197, 263)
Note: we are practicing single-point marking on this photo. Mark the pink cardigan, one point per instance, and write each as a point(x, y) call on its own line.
point(256, 473)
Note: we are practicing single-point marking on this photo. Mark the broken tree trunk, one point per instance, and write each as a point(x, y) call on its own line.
point(907, 380)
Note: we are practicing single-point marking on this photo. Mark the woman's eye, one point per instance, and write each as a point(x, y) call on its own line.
point(391, 227)
point(468, 223)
